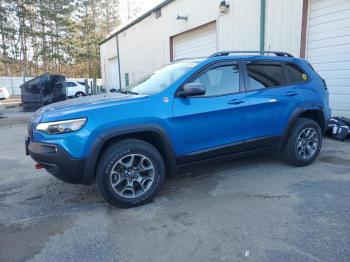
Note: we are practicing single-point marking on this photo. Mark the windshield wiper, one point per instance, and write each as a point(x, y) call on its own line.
point(122, 91)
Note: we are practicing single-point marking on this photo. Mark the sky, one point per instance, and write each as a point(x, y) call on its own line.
point(144, 5)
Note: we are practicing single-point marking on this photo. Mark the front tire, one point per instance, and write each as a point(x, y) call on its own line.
point(130, 173)
point(304, 143)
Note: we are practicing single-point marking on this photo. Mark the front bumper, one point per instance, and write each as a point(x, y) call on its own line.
point(58, 162)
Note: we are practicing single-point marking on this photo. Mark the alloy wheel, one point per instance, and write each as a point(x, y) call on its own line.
point(307, 143)
point(132, 175)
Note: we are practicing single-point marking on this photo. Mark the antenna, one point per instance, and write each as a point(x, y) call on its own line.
point(269, 50)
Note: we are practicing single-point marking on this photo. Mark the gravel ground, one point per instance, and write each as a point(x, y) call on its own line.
point(250, 209)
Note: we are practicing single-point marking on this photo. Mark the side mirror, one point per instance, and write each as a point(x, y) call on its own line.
point(192, 89)
point(113, 90)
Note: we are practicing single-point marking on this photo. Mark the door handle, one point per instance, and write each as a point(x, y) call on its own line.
point(236, 101)
point(291, 93)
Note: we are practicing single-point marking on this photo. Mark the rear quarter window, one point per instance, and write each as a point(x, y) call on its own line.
point(295, 73)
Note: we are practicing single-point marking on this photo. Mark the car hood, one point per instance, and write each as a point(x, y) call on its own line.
point(82, 104)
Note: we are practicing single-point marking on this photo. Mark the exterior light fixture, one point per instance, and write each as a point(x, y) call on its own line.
point(157, 13)
point(182, 17)
point(223, 7)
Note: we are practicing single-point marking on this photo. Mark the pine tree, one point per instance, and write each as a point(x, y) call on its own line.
point(60, 36)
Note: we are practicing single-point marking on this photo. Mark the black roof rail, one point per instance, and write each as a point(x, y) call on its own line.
point(226, 53)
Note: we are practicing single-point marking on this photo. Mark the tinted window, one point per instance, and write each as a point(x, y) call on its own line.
point(71, 84)
point(295, 73)
point(220, 80)
point(265, 75)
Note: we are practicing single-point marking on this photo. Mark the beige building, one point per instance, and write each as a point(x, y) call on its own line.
point(316, 29)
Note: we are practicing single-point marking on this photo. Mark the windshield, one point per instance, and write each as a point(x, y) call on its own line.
point(161, 79)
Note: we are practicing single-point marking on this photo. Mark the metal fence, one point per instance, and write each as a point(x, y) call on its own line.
point(13, 83)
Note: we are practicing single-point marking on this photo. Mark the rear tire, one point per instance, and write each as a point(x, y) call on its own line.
point(304, 143)
point(79, 94)
point(130, 173)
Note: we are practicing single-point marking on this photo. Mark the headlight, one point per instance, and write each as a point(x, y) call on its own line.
point(61, 127)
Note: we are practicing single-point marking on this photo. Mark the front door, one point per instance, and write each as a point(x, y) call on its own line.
point(214, 121)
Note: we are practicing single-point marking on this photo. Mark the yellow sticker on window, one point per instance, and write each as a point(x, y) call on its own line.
point(304, 76)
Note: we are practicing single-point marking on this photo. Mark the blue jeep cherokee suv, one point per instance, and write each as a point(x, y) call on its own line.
point(189, 111)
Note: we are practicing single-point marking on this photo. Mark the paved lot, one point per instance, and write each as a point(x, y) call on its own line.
point(250, 209)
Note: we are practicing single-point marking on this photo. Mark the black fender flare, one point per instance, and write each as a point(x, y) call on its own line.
point(104, 137)
point(292, 120)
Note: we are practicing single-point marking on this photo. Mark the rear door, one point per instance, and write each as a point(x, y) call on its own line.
point(271, 98)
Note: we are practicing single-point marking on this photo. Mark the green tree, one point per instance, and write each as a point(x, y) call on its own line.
point(60, 36)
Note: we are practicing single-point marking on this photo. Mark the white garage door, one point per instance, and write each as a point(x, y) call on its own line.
point(328, 49)
point(196, 43)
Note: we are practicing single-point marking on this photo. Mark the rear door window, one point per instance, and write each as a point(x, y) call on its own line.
point(264, 74)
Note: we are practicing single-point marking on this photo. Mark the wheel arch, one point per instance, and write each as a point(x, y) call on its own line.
point(316, 115)
point(154, 135)
point(312, 112)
